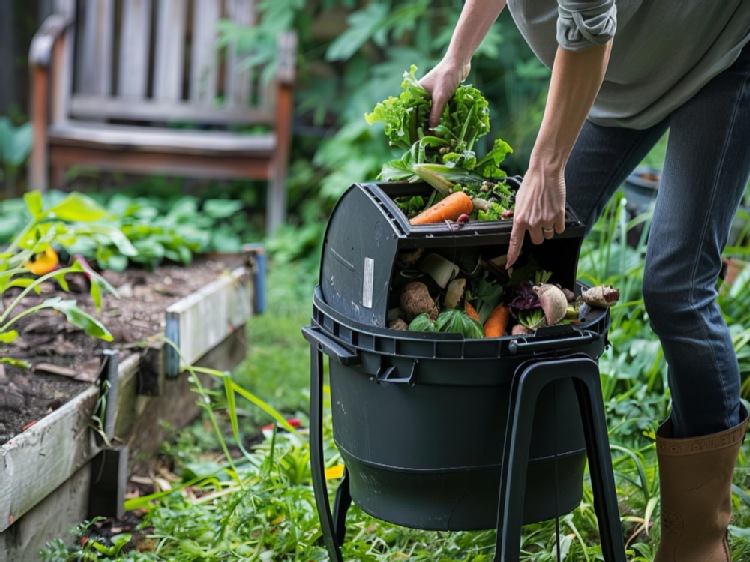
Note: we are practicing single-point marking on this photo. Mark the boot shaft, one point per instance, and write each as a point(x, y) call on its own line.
point(695, 475)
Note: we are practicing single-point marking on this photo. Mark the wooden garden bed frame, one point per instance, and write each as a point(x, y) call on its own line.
point(60, 471)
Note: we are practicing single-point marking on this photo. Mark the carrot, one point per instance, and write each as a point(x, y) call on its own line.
point(450, 208)
point(471, 312)
point(494, 326)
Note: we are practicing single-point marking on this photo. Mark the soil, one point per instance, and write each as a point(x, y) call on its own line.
point(63, 360)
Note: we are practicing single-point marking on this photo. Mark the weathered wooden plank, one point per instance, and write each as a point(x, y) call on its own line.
point(170, 46)
point(56, 447)
point(201, 320)
point(238, 87)
point(52, 518)
point(61, 89)
point(144, 139)
point(204, 55)
point(146, 422)
point(187, 163)
point(134, 49)
point(94, 65)
point(88, 107)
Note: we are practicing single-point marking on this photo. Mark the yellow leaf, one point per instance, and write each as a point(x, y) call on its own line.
point(336, 471)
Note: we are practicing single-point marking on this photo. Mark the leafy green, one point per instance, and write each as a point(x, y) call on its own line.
point(494, 213)
point(459, 322)
point(423, 323)
point(455, 321)
point(445, 157)
point(404, 116)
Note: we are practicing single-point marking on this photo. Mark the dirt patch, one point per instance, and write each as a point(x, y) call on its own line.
point(63, 360)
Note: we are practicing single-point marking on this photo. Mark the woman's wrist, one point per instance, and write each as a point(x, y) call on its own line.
point(550, 161)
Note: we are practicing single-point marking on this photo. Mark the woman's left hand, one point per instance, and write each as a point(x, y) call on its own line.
point(540, 208)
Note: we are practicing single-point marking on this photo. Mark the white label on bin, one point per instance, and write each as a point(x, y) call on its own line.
point(367, 282)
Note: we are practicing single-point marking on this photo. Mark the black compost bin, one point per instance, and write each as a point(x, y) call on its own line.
point(421, 419)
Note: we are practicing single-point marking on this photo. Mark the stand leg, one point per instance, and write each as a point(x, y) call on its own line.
point(317, 464)
point(600, 466)
point(528, 381)
point(340, 507)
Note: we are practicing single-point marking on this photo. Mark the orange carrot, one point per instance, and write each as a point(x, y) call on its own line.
point(450, 208)
point(471, 312)
point(494, 326)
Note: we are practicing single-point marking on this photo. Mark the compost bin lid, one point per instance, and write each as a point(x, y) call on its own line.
point(367, 230)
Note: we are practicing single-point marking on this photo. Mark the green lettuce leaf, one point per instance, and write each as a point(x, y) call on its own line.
point(459, 322)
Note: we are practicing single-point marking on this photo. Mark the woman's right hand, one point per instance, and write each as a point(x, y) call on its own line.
point(442, 82)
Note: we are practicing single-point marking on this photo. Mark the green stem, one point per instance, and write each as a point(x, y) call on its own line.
point(26, 291)
point(33, 309)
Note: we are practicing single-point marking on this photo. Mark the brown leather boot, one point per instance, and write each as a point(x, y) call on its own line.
point(696, 493)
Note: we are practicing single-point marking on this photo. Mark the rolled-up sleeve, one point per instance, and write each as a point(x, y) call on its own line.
point(581, 24)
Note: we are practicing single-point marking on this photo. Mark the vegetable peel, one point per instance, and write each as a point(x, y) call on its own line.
point(553, 302)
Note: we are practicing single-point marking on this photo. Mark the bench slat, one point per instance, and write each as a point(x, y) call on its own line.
point(95, 53)
point(238, 82)
point(92, 107)
point(134, 47)
point(170, 25)
point(203, 79)
point(123, 137)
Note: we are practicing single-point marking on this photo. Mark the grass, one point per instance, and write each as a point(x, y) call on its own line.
point(259, 504)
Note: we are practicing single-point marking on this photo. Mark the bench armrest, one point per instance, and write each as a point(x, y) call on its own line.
point(40, 51)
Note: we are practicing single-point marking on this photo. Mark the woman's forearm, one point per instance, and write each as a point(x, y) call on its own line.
point(477, 16)
point(575, 82)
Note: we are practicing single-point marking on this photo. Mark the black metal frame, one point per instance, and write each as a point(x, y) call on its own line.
point(528, 380)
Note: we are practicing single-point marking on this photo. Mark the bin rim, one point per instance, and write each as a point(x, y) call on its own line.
point(446, 346)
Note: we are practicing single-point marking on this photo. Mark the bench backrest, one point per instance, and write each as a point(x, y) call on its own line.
point(158, 60)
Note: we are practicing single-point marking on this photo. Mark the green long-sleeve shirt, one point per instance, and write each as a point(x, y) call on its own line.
point(663, 51)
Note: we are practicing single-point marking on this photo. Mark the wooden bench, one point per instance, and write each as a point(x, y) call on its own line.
point(112, 78)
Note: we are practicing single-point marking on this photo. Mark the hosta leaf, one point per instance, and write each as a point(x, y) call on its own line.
point(77, 207)
point(34, 203)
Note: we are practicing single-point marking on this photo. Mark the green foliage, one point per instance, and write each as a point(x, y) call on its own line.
point(117, 229)
point(351, 55)
point(49, 226)
point(455, 321)
point(15, 146)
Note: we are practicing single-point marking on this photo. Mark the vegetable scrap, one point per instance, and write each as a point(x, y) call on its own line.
point(437, 290)
point(601, 296)
point(450, 208)
point(444, 157)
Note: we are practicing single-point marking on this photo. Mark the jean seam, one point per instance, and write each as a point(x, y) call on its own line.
point(693, 277)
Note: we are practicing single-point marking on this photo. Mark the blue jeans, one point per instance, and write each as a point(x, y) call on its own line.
point(706, 169)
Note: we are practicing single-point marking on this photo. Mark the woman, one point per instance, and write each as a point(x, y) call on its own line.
point(622, 74)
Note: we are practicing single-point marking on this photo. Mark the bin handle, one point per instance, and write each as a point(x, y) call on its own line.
point(582, 338)
point(332, 348)
point(390, 374)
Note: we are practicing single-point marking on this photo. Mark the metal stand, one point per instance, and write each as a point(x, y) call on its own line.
point(528, 381)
